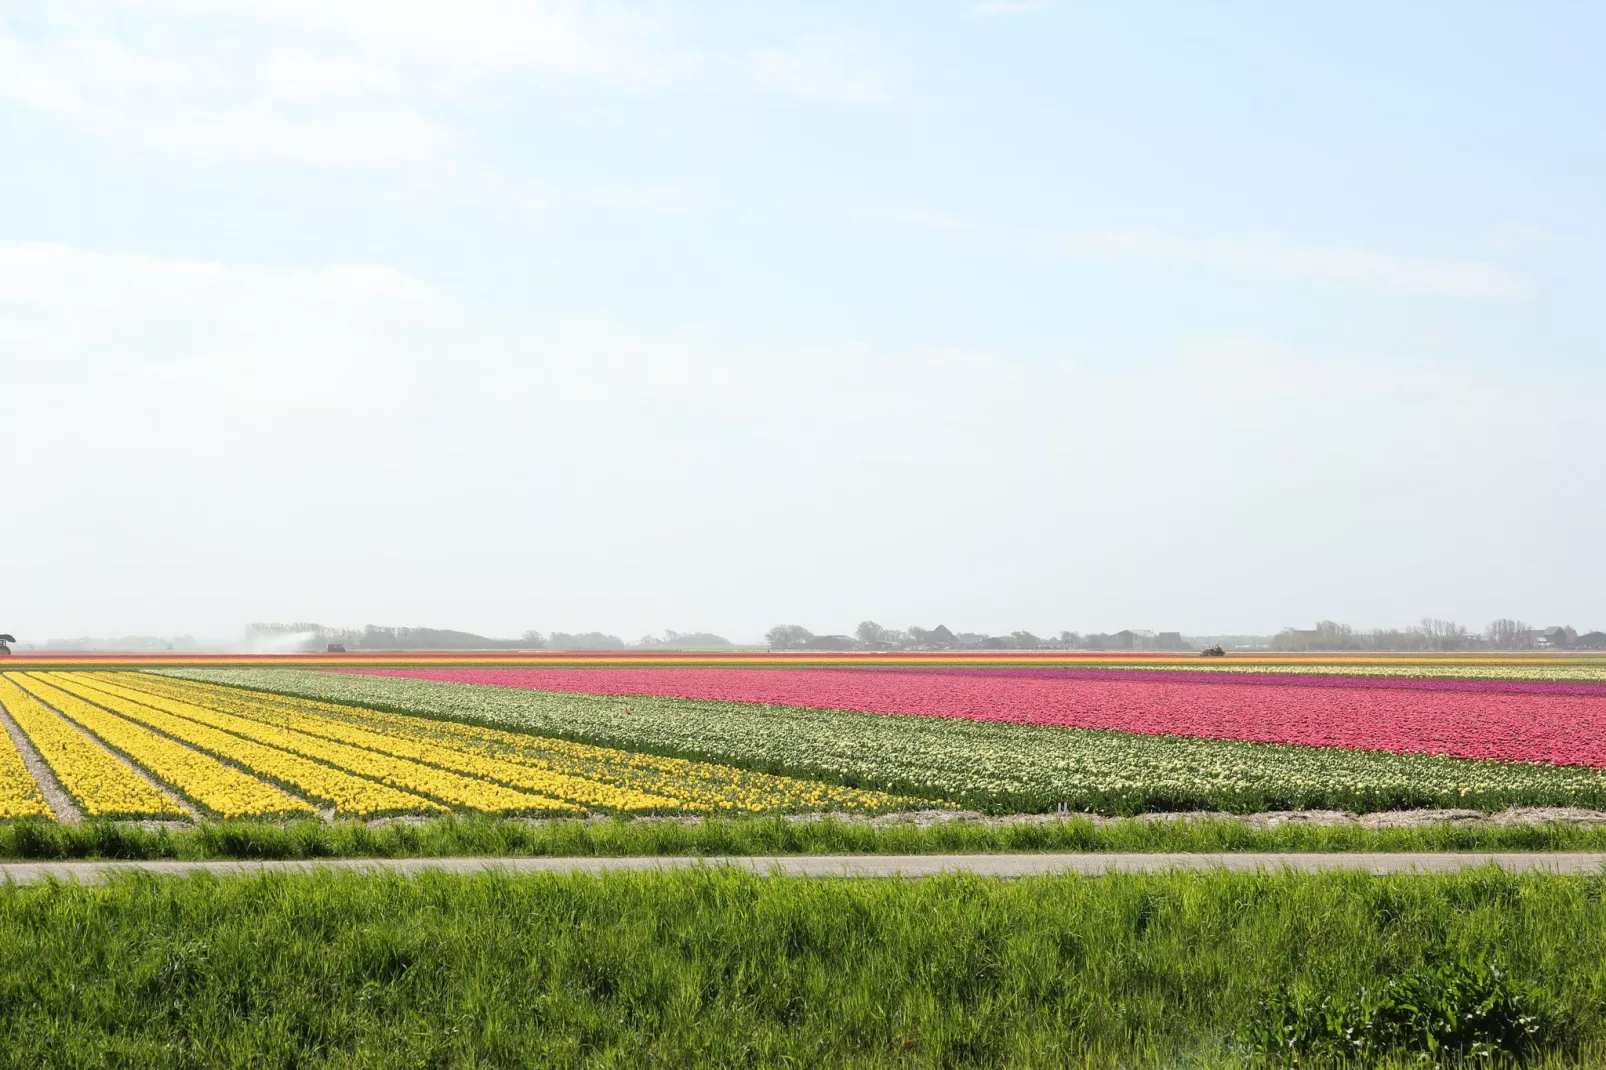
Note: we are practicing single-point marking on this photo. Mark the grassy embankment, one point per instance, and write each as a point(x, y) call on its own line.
point(458, 836)
point(720, 968)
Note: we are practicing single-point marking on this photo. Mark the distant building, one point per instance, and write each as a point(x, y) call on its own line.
point(830, 642)
point(1137, 639)
point(1590, 641)
point(1556, 638)
point(940, 636)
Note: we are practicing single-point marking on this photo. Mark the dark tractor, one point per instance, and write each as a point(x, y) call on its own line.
point(4, 639)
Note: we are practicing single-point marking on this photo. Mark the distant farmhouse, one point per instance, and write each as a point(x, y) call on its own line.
point(1143, 639)
point(1555, 638)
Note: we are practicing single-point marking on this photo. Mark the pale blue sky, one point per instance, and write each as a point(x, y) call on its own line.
point(1061, 315)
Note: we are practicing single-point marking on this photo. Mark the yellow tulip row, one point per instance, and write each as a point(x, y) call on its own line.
point(679, 783)
point(101, 785)
point(231, 752)
point(217, 788)
point(350, 795)
point(302, 730)
point(401, 772)
point(19, 792)
point(701, 785)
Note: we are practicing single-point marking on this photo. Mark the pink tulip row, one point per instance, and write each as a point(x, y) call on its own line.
point(1208, 676)
point(1556, 728)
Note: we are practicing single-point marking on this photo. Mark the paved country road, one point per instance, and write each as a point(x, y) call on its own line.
point(989, 865)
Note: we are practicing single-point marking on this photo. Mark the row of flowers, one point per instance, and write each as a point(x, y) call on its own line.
point(323, 784)
point(989, 764)
point(1290, 677)
point(597, 777)
point(214, 787)
point(1539, 670)
point(101, 785)
point(418, 780)
point(19, 792)
point(1565, 729)
point(468, 781)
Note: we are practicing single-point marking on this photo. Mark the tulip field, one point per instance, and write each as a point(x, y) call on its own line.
point(135, 746)
point(543, 735)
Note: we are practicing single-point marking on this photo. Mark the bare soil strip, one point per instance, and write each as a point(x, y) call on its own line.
point(906, 866)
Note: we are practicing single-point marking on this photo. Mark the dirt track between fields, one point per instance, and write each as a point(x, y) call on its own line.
point(987, 865)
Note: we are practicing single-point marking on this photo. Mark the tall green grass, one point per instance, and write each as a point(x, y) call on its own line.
point(718, 968)
point(464, 836)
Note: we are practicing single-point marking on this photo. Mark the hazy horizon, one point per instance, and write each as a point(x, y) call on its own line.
point(1029, 316)
point(245, 641)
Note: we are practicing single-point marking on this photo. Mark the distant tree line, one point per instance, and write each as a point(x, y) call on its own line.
point(598, 641)
point(382, 637)
point(673, 638)
point(574, 641)
point(1431, 634)
point(872, 636)
point(135, 643)
point(1438, 635)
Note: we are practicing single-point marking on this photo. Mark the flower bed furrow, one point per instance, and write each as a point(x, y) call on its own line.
point(688, 785)
point(101, 785)
point(216, 788)
point(348, 794)
point(19, 792)
point(1567, 730)
point(989, 765)
point(330, 740)
point(411, 776)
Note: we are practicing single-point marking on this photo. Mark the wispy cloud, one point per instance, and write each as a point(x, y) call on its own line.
point(912, 215)
point(335, 82)
point(827, 67)
point(1007, 7)
point(1519, 236)
point(1475, 279)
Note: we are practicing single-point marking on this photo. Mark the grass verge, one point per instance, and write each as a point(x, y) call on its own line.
point(719, 968)
point(460, 836)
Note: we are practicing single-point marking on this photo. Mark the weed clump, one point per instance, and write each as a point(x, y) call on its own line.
point(1445, 1014)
